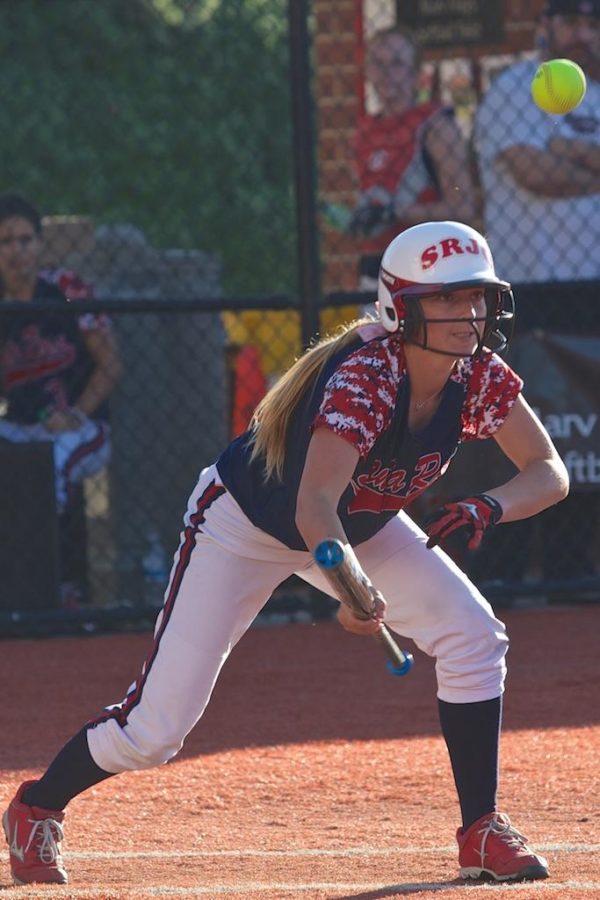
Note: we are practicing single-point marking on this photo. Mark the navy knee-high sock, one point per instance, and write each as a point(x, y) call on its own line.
point(472, 735)
point(72, 771)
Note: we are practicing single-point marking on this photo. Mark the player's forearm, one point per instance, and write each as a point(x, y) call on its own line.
point(98, 389)
point(569, 180)
point(548, 175)
point(539, 485)
point(582, 153)
point(317, 520)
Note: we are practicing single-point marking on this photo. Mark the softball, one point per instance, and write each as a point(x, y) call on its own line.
point(558, 86)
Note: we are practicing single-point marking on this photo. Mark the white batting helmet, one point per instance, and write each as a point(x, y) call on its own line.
point(438, 258)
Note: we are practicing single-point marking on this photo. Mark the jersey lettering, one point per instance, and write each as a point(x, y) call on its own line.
point(34, 356)
point(426, 472)
point(383, 488)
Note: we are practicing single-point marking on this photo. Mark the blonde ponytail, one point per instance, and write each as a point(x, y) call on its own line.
point(272, 416)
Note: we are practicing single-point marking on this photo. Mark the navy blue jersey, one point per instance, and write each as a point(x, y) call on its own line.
point(363, 395)
point(44, 362)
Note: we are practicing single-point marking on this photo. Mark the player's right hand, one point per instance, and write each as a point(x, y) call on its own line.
point(471, 515)
point(352, 623)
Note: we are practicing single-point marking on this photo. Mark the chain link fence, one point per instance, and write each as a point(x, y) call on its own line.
point(426, 113)
point(156, 137)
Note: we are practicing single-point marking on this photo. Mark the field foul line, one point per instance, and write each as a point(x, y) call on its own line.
point(341, 890)
point(362, 852)
point(353, 888)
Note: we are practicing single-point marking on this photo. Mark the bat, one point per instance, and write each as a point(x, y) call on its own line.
point(353, 589)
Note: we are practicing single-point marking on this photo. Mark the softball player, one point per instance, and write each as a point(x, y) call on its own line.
point(353, 432)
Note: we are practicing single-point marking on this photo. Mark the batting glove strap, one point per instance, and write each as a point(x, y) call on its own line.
point(473, 514)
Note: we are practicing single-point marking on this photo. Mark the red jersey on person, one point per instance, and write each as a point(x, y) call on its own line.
point(390, 152)
point(44, 361)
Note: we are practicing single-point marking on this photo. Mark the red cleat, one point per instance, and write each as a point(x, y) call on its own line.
point(33, 836)
point(492, 848)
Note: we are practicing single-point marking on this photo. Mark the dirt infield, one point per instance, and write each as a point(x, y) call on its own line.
point(314, 774)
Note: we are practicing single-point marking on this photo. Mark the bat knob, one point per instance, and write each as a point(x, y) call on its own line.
point(329, 554)
point(404, 669)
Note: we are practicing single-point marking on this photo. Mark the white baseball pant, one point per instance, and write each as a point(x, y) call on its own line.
point(225, 570)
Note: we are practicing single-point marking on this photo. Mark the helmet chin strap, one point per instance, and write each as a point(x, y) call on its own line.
point(480, 337)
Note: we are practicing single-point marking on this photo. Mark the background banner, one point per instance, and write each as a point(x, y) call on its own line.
point(562, 383)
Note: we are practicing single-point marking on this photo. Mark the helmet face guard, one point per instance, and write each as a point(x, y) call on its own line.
point(492, 331)
point(437, 259)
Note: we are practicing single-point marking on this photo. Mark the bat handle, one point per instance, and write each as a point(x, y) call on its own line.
point(353, 588)
point(399, 662)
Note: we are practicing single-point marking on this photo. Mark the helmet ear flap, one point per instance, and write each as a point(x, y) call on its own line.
point(392, 310)
point(401, 313)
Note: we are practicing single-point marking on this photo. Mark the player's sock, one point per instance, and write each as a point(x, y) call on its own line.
point(472, 734)
point(72, 771)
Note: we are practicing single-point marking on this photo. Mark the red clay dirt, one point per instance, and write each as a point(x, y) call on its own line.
point(314, 774)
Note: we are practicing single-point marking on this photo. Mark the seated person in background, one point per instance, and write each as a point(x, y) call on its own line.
point(57, 370)
point(411, 158)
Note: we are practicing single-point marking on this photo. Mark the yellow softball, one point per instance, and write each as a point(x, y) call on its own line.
point(558, 86)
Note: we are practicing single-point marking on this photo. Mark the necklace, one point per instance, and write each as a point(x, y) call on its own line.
point(419, 404)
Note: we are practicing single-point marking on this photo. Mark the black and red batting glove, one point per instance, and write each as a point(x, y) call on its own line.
point(475, 514)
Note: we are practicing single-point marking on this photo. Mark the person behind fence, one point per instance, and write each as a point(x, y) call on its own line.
point(57, 370)
point(541, 173)
point(412, 162)
point(351, 434)
point(541, 194)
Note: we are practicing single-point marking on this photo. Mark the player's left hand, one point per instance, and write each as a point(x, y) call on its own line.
point(474, 514)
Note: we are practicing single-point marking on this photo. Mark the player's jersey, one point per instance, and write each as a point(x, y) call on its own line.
point(390, 153)
point(363, 395)
point(44, 363)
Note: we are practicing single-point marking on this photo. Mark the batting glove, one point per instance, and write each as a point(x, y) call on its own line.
point(475, 514)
